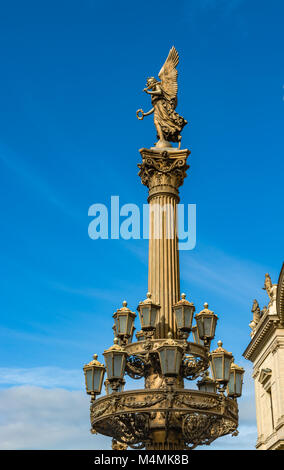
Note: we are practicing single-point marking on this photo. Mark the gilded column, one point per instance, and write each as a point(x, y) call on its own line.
point(163, 171)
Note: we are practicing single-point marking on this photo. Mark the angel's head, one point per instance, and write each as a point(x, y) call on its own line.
point(151, 81)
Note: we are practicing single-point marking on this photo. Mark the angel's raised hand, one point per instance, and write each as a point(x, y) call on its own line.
point(140, 117)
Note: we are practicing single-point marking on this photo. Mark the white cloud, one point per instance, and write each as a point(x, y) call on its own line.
point(42, 414)
point(39, 418)
point(36, 418)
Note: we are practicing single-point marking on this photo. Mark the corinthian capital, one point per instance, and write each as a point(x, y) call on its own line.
point(163, 168)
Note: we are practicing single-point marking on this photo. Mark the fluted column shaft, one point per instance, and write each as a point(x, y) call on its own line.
point(163, 274)
point(163, 172)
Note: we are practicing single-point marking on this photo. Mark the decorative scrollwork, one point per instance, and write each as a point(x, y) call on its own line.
point(98, 409)
point(118, 445)
point(135, 367)
point(196, 429)
point(206, 403)
point(130, 428)
point(131, 417)
point(224, 426)
point(193, 367)
point(148, 402)
point(202, 429)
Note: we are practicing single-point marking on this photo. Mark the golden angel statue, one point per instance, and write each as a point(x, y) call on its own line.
point(168, 122)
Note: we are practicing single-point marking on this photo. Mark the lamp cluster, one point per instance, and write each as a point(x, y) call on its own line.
point(171, 353)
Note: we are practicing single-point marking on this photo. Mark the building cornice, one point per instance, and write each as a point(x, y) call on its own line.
point(265, 329)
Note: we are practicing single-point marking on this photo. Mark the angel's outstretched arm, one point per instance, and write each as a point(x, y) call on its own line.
point(140, 113)
point(149, 112)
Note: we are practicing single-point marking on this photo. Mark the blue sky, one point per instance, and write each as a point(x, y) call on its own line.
point(71, 82)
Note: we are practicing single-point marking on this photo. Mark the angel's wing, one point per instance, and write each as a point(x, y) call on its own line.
point(168, 76)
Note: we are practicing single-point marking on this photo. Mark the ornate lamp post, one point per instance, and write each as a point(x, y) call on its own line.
point(164, 415)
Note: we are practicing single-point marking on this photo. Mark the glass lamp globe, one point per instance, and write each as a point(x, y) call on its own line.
point(148, 313)
point(206, 322)
point(94, 375)
point(183, 313)
point(124, 322)
point(115, 359)
point(235, 383)
point(220, 361)
point(170, 354)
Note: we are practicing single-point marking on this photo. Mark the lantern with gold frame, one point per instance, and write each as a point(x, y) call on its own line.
point(170, 354)
point(183, 313)
point(124, 323)
point(195, 335)
point(234, 387)
point(148, 313)
point(115, 360)
point(94, 374)
point(220, 362)
point(206, 322)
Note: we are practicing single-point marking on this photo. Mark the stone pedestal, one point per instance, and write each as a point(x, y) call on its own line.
point(163, 171)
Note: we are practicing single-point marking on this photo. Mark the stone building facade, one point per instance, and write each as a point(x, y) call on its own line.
point(266, 352)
